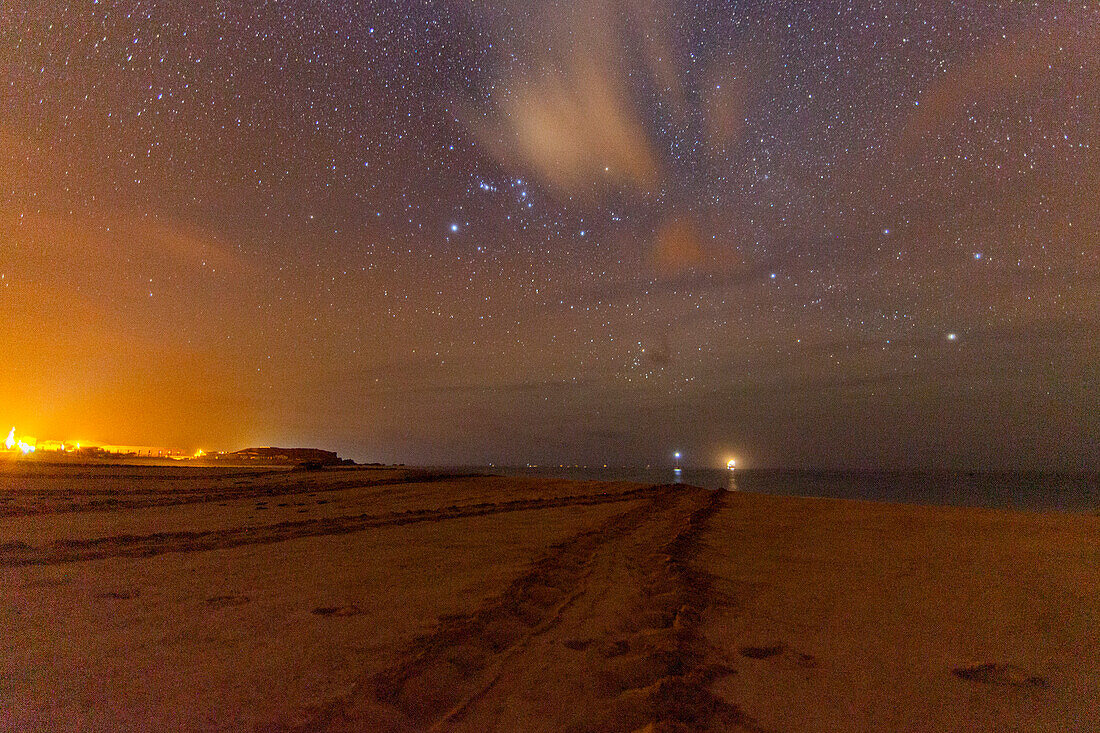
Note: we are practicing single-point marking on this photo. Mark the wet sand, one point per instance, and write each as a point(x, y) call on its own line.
point(389, 599)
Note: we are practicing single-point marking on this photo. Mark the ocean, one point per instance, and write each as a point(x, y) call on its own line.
point(1021, 491)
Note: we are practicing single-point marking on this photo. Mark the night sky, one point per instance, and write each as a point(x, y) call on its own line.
point(805, 234)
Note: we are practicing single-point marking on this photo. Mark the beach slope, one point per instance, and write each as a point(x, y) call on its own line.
point(389, 599)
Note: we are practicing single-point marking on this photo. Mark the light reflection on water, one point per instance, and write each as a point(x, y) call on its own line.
point(730, 484)
point(1031, 491)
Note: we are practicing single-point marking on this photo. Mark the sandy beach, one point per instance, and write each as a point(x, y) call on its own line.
point(135, 599)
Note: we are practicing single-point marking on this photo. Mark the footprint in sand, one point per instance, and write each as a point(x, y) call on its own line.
point(47, 583)
point(351, 610)
point(763, 652)
point(226, 601)
point(992, 673)
point(118, 595)
point(616, 648)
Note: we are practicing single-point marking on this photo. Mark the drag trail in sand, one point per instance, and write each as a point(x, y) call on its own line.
point(600, 634)
point(73, 550)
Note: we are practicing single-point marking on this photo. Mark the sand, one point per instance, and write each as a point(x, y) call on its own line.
point(389, 599)
point(883, 616)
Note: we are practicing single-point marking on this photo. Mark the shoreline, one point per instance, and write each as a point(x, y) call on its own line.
point(1025, 491)
point(1074, 493)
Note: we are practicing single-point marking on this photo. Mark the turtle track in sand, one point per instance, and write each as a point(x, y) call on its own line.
point(65, 551)
point(221, 488)
point(602, 633)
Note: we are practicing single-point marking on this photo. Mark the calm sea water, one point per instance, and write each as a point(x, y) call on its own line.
point(1027, 491)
